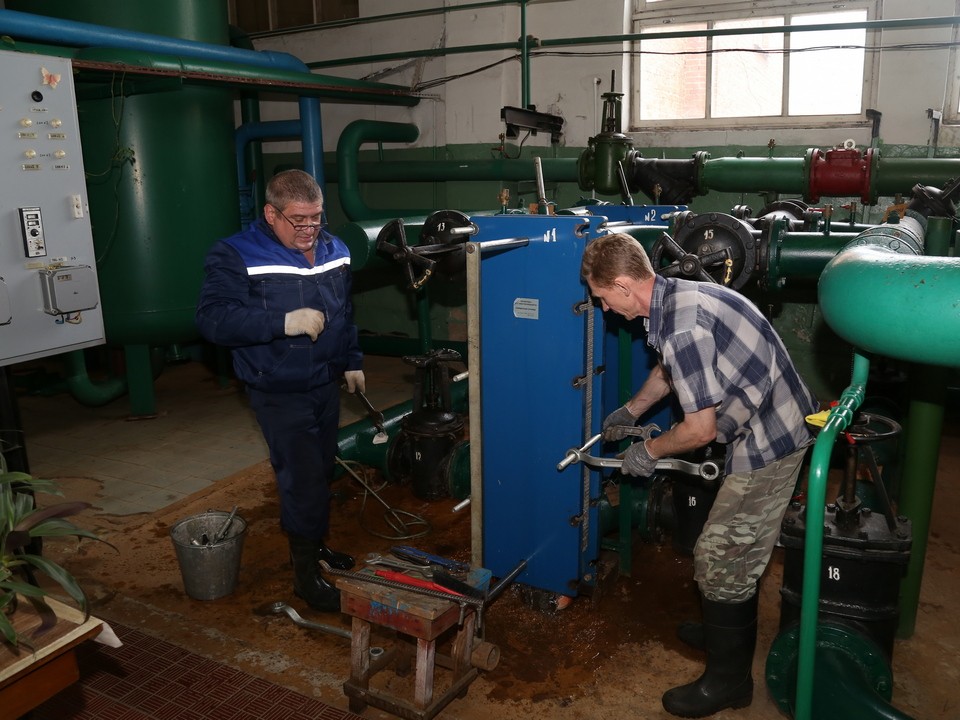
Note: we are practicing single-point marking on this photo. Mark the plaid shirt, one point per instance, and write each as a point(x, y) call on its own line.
point(718, 350)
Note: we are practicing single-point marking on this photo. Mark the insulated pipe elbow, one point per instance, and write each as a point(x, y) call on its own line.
point(903, 307)
point(348, 152)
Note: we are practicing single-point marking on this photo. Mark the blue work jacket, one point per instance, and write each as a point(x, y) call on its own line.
point(251, 282)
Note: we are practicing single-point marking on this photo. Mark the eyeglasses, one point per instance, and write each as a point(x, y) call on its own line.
point(311, 228)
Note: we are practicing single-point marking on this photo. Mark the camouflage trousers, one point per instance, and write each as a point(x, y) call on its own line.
point(742, 528)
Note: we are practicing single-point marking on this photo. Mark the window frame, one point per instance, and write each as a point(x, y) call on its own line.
point(951, 110)
point(650, 17)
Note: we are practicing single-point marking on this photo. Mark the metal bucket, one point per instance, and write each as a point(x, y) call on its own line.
point(209, 570)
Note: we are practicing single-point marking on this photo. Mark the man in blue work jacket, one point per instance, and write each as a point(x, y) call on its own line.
point(278, 295)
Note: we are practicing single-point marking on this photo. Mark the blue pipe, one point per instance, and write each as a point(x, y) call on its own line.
point(73, 33)
point(243, 136)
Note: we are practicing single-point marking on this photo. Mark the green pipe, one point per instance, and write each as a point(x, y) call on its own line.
point(356, 441)
point(802, 256)
point(360, 238)
point(783, 175)
point(303, 84)
point(350, 22)
point(393, 346)
point(423, 321)
point(922, 436)
point(637, 37)
point(941, 21)
point(556, 169)
point(853, 677)
point(871, 298)
point(83, 389)
point(524, 57)
point(358, 132)
point(898, 175)
point(409, 54)
point(888, 177)
point(838, 420)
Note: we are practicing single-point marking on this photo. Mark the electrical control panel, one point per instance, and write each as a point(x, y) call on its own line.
point(49, 293)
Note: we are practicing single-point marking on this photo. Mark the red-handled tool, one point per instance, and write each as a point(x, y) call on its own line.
point(415, 582)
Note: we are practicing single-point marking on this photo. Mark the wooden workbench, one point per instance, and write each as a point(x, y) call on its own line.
point(32, 677)
point(424, 618)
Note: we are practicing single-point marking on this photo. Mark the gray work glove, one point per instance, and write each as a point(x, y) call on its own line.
point(303, 321)
point(613, 425)
point(637, 461)
point(355, 381)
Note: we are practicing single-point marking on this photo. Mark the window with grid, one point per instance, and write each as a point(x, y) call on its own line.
point(253, 16)
point(736, 62)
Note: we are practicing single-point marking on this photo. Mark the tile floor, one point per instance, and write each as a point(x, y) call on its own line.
point(150, 679)
point(203, 431)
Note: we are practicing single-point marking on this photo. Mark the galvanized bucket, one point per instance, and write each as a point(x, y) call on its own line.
point(209, 570)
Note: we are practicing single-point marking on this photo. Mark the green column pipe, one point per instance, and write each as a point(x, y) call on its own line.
point(839, 419)
point(922, 434)
point(524, 57)
point(142, 398)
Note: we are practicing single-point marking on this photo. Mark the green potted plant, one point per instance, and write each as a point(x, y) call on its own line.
point(22, 527)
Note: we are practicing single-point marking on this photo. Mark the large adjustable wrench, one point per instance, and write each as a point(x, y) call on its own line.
point(708, 469)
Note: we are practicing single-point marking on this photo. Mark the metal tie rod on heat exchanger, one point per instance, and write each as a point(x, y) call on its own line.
point(708, 469)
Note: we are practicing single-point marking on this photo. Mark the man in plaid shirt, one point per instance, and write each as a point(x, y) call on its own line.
point(736, 385)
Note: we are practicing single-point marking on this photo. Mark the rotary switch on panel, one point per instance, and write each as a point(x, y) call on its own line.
point(31, 226)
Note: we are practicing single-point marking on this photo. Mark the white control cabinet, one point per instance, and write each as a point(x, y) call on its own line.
point(49, 295)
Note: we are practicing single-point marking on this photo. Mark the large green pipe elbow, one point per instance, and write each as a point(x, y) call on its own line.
point(898, 306)
point(83, 389)
point(852, 676)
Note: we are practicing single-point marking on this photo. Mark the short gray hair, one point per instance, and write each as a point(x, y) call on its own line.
point(290, 186)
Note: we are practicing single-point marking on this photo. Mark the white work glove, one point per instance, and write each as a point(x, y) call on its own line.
point(304, 321)
point(355, 381)
point(614, 423)
point(637, 461)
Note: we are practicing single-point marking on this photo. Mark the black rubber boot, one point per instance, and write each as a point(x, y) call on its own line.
point(308, 583)
point(691, 634)
point(337, 560)
point(730, 637)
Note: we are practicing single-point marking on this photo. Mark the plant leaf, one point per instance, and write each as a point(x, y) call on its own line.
point(61, 577)
point(59, 510)
point(15, 539)
point(6, 629)
point(26, 589)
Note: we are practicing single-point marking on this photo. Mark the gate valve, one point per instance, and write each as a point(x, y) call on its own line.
point(685, 264)
point(392, 240)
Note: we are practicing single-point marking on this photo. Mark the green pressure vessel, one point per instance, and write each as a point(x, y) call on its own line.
point(161, 169)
